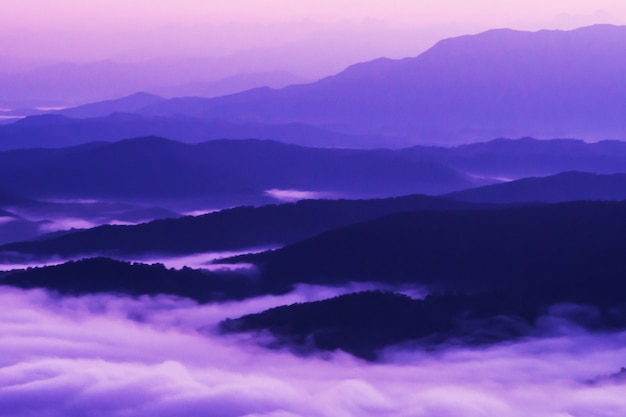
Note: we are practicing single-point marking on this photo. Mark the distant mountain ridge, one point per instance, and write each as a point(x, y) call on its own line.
point(129, 104)
point(462, 89)
point(230, 85)
point(247, 168)
point(526, 157)
point(54, 130)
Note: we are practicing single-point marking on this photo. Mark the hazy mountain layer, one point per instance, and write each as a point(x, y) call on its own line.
point(128, 104)
point(518, 158)
point(221, 173)
point(462, 89)
point(56, 131)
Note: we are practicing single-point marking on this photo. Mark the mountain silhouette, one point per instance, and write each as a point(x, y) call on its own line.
point(221, 173)
point(500, 83)
point(227, 230)
point(509, 248)
point(567, 186)
point(54, 130)
point(366, 323)
point(526, 157)
point(103, 275)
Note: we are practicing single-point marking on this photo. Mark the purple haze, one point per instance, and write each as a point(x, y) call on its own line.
point(463, 89)
point(116, 356)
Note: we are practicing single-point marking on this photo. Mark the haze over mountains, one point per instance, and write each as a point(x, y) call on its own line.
point(161, 170)
point(251, 167)
point(55, 130)
point(276, 225)
point(461, 90)
point(199, 61)
point(479, 79)
point(70, 84)
point(485, 256)
point(194, 222)
point(148, 178)
point(502, 270)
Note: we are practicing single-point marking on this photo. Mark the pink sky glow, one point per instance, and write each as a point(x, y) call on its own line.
point(48, 29)
point(91, 15)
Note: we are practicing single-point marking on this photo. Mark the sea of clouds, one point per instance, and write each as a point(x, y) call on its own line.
point(110, 355)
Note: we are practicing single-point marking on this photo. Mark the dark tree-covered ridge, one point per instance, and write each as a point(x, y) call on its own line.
point(103, 275)
point(232, 229)
point(471, 249)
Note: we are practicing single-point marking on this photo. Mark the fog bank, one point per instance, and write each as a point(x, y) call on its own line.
point(116, 356)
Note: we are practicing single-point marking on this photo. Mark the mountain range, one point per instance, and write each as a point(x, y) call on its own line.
point(462, 90)
point(513, 234)
point(494, 275)
point(238, 228)
point(242, 171)
point(566, 186)
point(220, 173)
point(518, 158)
point(366, 323)
point(54, 130)
point(510, 247)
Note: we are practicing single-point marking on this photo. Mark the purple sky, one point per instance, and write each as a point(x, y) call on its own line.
point(154, 13)
point(77, 30)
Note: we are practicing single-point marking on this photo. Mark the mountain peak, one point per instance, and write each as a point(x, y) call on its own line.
point(499, 83)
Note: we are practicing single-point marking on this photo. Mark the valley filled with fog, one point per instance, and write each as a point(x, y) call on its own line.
point(310, 224)
point(110, 355)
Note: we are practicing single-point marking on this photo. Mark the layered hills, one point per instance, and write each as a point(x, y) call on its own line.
point(461, 90)
point(567, 186)
point(221, 172)
point(509, 247)
point(494, 274)
point(227, 230)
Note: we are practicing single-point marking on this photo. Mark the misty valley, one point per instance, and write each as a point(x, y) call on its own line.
point(443, 235)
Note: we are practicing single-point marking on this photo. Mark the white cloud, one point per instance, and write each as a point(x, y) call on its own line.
point(112, 356)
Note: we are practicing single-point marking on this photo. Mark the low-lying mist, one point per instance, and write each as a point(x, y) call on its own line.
point(297, 195)
point(40, 218)
point(11, 261)
point(161, 356)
